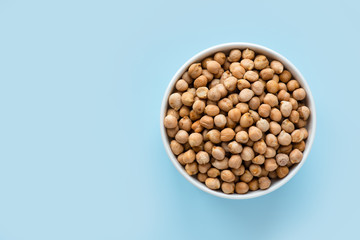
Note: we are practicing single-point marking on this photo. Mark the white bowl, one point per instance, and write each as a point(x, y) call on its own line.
point(272, 55)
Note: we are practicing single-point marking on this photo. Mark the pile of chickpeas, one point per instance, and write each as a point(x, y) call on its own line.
point(237, 121)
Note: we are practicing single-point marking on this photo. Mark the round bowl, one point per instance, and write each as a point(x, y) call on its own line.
point(311, 125)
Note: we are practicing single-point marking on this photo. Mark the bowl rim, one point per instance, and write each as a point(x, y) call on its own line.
point(259, 49)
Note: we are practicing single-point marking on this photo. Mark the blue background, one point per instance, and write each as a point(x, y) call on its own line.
point(81, 86)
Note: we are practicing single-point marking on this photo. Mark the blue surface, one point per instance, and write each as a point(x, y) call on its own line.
point(80, 149)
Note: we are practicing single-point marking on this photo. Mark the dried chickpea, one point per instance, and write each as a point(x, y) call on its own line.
point(275, 115)
point(292, 85)
point(214, 136)
point(181, 85)
point(242, 84)
point(264, 183)
point(214, 94)
point(185, 123)
point(212, 183)
point(182, 136)
point(284, 138)
point(228, 187)
point(285, 76)
point(277, 66)
point(180, 159)
point(213, 172)
point(304, 112)
point(234, 97)
point(234, 114)
point(227, 134)
point(175, 101)
point(198, 106)
point(235, 161)
point(187, 77)
point(246, 177)
point(242, 137)
point(271, 140)
point(294, 116)
point(235, 147)
point(300, 146)
point(218, 153)
point(207, 122)
point(213, 66)
point(263, 125)
point(170, 121)
point(245, 95)
point(225, 104)
point(237, 70)
point(230, 83)
point(301, 123)
point(294, 103)
point(248, 54)
point(255, 170)
point(212, 110)
point(282, 171)
point(264, 110)
point(189, 156)
point(282, 159)
point(203, 168)
point(271, 100)
point(275, 128)
point(246, 120)
point(247, 154)
point(285, 108)
point(195, 70)
point(202, 177)
point(261, 62)
point(297, 136)
point(259, 159)
point(202, 157)
point(287, 126)
point(272, 174)
point(283, 95)
point(184, 111)
point(220, 121)
point(305, 133)
point(196, 127)
point(253, 185)
point(285, 149)
point(227, 176)
point(191, 168)
point(296, 156)
point(187, 99)
point(241, 188)
point(272, 86)
point(270, 164)
point(260, 147)
point(254, 103)
point(221, 164)
point(270, 152)
point(171, 132)
point(267, 74)
point(247, 64)
point(220, 57)
point(238, 171)
point(195, 139)
point(221, 88)
point(258, 87)
point(251, 76)
point(234, 55)
point(176, 147)
point(282, 86)
point(243, 107)
point(299, 94)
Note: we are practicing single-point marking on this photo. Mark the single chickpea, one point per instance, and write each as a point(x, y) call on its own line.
point(221, 88)
point(175, 101)
point(271, 140)
point(264, 183)
point(170, 121)
point(264, 173)
point(221, 164)
point(237, 70)
point(275, 115)
point(258, 87)
point(201, 81)
point(227, 176)
point(214, 94)
point(171, 132)
point(207, 74)
point(301, 146)
point(202, 157)
point(282, 171)
point(251, 76)
point(277, 66)
point(226, 65)
point(235, 147)
point(241, 188)
point(296, 156)
point(259, 159)
point(228, 188)
point(275, 128)
point(285, 149)
point(285, 76)
point(276, 78)
point(212, 110)
point(294, 103)
point(234, 97)
point(263, 125)
point(180, 159)
point(184, 111)
point(261, 62)
point(198, 106)
point(191, 168)
point(304, 132)
point(247, 176)
point(284, 138)
point(220, 57)
point(225, 104)
point(213, 172)
point(230, 83)
point(195, 70)
point(271, 100)
point(283, 95)
point(255, 133)
point(202, 92)
point(246, 120)
point(282, 86)
point(247, 64)
point(176, 147)
point(189, 156)
point(304, 112)
point(208, 146)
point(234, 114)
point(207, 122)
point(212, 183)
point(294, 116)
point(245, 95)
point(264, 110)
point(224, 76)
point(187, 78)
point(238, 128)
point(196, 127)
point(235, 161)
point(243, 107)
point(187, 99)
point(195, 139)
point(220, 121)
point(204, 62)
point(182, 136)
point(285, 108)
point(234, 55)
point(213, 67)
point(194, 115)
point(242, 84)
point(267, 74)
point(287, 126)
point(260, 147)
point(248, 54)
point(213, 83)
point(214, 136)
point(201, 177)
point(203, 168)
point(301, 123)
point(254, 185)
point(272, 174)
point(247, 154)
point(292, 85)
point(272, 86)
point(282, 159)
point(181, 85)
point(270, 152)
point(238, 171)
point(218, 153)
point(297, 136)
point(254, 103)
point(255, 170)
point(227, 134)
point(270, 164)
point(187, 146)
point(250, 143)
point(242, 137)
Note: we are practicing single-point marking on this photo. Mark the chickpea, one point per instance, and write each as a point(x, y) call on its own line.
point(225, 104)
point(255, 170)
point(243, 107)
point(180, 159)
point(241, 188)
point(171, 132)
point(214, 136)
point(227, 176)
point(304, 112)
point(176, 147)
point(272, 86)
point(304, 132)
point(195, 139)
point(247, 176)
point(242, 137)
point(184, 111)
point(170, 121)
point(264, 110)
point(214, 94)
point(271, 140)
point(294, 103)
point(199, 106)
point(212, 110)
point(294, 116)
point(202, 92)
point(259, 159)
point(251, 76)
point(254, 185)
point(284, 138)
point(235, 161)
point(275, 128)
point(203, 168)
point(187, 77)
point(213, 172)
point(234, 98)
point(196, 126)
point(207, 74)
point(246, 120)
point(285, 108)
point(235, 147)
point(301, 123)
point(214, 83)
point(182, 136)
point(175, 101)
point(248, 54)
point(270, 164)
point(212, 183)
point(261, 62)
point(282, 159)
point(258, 87)
point(283, 95)
point(296, 156)
point(220, 57)
point(270, 152)
point(189, 156)
point(250, 143)
point(234, 114)
point(267, 74)
point(247, 154)
point(181, 85)
point(245, 95)
point(194, 115)
point(264, 173)
point(221, 164)
point(277, 66)
point(187, 99)
point(272, 174)
point(275, 115)
point(255, 133)
point(204, 62)
point(228, 187)
point(297, 136)
point(234, 55)
point(292, 85)
point(230, 83)
point(218, 153)
point(282, 86)
point(207, 122)
point(282, 171)
point(191, 168)
point(208, 146)
point(237, 70)
point(185, 123)
point(227, 134)
point(287, 126)
point(220, 121)
point(221, 88)
point(285, 76)
point(201, 177)
point(285, 149)
point(238, 171)
point(202, 157)
point(264, 183)
point(301, 146)
point(242, 84)
point(247, 64)
point(263, 125)
point(271, 100)
point(213, 66)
